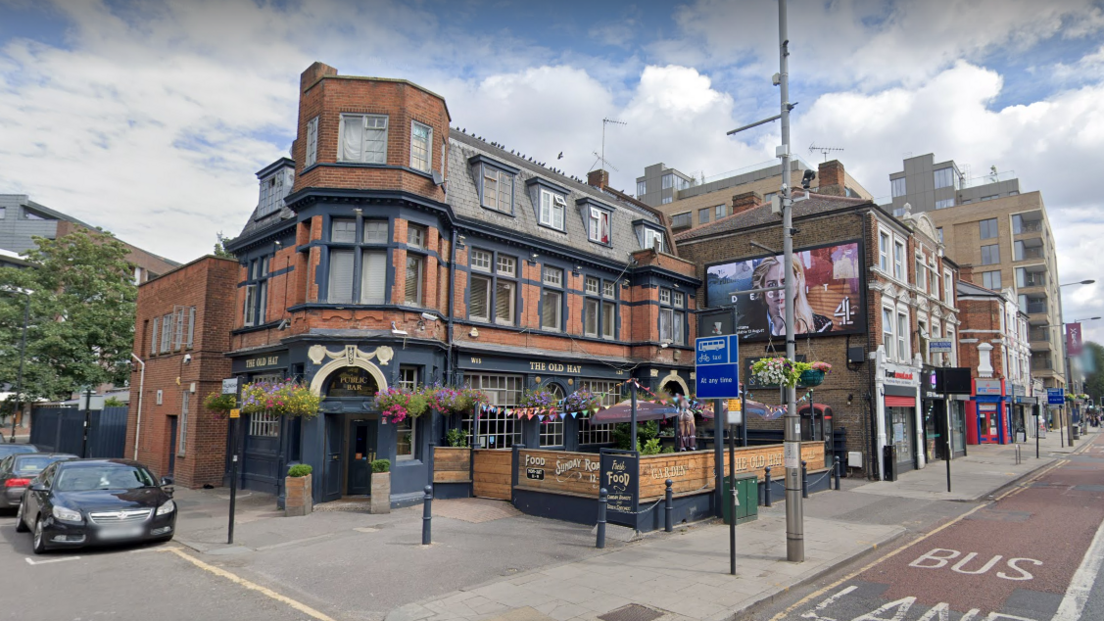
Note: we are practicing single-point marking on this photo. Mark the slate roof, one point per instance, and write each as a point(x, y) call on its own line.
point(756, 216)
point(463, 197)
point(966, 287)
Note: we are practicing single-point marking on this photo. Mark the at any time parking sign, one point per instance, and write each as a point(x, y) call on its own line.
point(717, 367)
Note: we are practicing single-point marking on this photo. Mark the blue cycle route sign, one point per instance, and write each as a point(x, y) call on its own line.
point(1055, 396)
point(717, 367)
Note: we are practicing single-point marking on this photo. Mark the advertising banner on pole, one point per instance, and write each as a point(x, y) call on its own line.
point(1073, 339)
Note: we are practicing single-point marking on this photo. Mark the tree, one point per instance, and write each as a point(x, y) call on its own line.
point(1094, 380)
point(81, 323)
point(220, 246)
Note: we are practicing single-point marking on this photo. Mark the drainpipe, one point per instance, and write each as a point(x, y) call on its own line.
point(141, 390)
point(450, 369)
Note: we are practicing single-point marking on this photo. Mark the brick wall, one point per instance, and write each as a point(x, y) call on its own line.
point(206, 284)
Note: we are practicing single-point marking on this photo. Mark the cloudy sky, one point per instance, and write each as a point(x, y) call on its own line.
point(149, 117)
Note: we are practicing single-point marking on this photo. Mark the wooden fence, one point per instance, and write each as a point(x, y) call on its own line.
point(451, 464)
point(492, 473)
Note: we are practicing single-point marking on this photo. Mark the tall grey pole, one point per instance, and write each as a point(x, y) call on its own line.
point(795, 528)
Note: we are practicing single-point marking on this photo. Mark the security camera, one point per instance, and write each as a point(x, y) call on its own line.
point(187, 358)
point(807, 178)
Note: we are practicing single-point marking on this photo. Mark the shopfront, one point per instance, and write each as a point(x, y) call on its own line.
point(900, 423)
point(987, 413)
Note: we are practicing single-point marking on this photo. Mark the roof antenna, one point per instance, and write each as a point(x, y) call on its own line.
point(824, 150)
point(602, 157)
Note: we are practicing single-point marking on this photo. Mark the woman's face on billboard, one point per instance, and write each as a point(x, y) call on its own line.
point(774, 279)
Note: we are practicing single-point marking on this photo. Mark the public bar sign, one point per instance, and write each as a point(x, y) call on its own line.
point(717, 367)
point(621, 479)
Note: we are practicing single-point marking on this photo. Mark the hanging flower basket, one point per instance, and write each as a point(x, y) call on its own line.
point(539, 400)
point(397, 404)
point(220, 404)
point(582, 401)
point(811, 377)
point(777, 371)
point(286, 398)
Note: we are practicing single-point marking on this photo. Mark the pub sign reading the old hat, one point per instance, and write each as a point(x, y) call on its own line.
point(352, 382)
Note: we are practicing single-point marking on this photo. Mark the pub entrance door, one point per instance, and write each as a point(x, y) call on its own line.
point(332, 466)
point(361, 453)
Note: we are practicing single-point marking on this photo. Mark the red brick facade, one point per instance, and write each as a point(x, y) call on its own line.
point(205, 285)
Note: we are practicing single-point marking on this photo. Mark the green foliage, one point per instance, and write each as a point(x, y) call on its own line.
point(114, 402)
point(646, 431)
point(81, 316)
point(668, 449)
point(218, 402)
point(220, 246)
point(651, 447)
point(381, 465)
point(1094, 380)
point(300, 470)
point(456, 437)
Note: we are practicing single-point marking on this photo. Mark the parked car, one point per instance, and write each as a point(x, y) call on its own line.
point(13, 449)
point(16, 472)
point(88, 502)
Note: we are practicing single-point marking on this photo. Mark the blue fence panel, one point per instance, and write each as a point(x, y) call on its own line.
point(61, 430)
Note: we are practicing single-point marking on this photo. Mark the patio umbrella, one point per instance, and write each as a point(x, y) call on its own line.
point(761, 410)
point(622, 412)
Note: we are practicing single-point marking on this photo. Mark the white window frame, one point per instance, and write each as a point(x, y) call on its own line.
point(651, 236)
point(904, 346)
point(503, 391)
point(948, 289)
point(311, 157)
point(921, 273)
point(608, 396)
point(885, 240)
point(182, 425)
point(493, 193)
point(363, 120)
point(419, 293)
point(599, 219)
point(481, 260)
point(407, 425)
point(552, 209)
point(591, 285)
point(596, 305)
point(415, 160)
point(953, 356)
point(899, 268)
point(889, 332)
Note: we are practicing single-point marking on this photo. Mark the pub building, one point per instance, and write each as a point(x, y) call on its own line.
point(392, 250)
point(873, 289)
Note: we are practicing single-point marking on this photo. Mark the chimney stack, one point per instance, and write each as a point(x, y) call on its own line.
point(598, 178)
point(746, 201)
point(831, 179)
point(313, 73)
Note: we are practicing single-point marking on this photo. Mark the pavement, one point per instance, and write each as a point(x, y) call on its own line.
point(685, 575)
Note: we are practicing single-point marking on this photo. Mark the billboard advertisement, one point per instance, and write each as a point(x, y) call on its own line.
point(1073, 339)
point(829, 292)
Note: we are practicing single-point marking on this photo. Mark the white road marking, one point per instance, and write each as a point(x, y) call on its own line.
point(1077, 594)
point(31, 561)
point(814, 614)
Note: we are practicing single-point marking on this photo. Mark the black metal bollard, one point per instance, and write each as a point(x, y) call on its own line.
point(427, 515)
point(669, 507)
point(767, 487)
point(804, 480)
point(837, 472)
point(601, 543)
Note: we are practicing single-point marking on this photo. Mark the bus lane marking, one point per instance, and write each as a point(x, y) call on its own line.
point(943, 556)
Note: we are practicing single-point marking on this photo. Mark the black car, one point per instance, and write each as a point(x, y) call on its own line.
point(15, 449)
point(16, 472)
point(87, 502)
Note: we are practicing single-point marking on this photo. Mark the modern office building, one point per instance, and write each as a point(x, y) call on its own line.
point(1001, 238)
point(688, 203)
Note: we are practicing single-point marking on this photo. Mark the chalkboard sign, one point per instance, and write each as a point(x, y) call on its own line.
point(621, 479)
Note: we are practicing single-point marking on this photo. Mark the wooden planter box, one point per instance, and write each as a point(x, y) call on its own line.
point(297, 496)
point(380, 501)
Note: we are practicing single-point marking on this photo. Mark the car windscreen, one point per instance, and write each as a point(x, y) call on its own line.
point(13, 449)
point(87, 478)
point(33, 464)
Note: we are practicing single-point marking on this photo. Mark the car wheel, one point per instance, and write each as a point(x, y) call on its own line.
point(39, 538)
point(20, 527)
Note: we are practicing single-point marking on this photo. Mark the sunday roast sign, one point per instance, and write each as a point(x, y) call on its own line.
point(559, 471)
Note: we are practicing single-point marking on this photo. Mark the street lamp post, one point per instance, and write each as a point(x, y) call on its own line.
point(1066, 363)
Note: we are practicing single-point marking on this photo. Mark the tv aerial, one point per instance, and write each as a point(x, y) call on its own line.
point(824, 150)
point(602, 156)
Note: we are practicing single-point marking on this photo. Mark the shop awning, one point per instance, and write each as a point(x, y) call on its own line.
point(894, 401)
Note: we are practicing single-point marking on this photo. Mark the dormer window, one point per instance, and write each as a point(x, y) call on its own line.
point(552, 207)
point(274, 187)
point(598, 225)
point(498, 190)
point(363, 139)
point(653, 239)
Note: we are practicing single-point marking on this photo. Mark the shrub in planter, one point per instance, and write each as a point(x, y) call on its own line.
point(456, 438)
point(298, 499)
point(380, 501)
